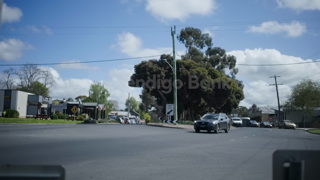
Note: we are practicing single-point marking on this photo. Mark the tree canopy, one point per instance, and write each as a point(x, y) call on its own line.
point(98, 93)
point(304, 96)
point(134, 104)
point(219, 92)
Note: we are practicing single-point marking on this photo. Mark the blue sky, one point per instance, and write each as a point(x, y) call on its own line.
point(255, 31)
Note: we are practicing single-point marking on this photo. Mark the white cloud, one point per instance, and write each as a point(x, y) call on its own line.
point(47, 30)
point(299, 4)
point(206, 30)
point(43, 29)
point(179, 9)
point(10, 14)
point(76, 65)
point(256, 78)
point(11, 49)
point(33, 29)
point(117, 85)
point(131, 45)
point(293, 29)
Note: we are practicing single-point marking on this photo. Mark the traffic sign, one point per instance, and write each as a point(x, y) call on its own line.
point(169, 110)
point(74, 109)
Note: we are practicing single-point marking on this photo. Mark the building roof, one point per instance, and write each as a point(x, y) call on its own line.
point(90, 103)
point(266, 110)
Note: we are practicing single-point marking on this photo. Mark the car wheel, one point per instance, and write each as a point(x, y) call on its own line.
point(218, 128)
point(209, 130)
point(197, 130)
point(228, 129)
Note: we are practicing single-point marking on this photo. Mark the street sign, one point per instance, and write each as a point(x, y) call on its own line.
point(159, 118)
point(169, 110)
point(170, 121)
point(74, 109)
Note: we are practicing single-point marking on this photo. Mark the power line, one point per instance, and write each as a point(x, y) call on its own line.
point(310, 56)
point(41, 34)
point(82, 62)
point(165, 26)
point(282, 64)
point(293, 80)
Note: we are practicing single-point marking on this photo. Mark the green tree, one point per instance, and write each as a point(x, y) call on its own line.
point(148, 101)
point(98, 93)
point(89, 99)
point(208, 67)
point(36, 88)
point(304, 96)
point(134, 104)
point(241, 111)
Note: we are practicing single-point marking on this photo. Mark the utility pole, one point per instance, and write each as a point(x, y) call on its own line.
point(276, 84)
point(128, 105)
point(175, 101)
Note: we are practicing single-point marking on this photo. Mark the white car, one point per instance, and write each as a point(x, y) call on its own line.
point(132, 120)
point(236, 121)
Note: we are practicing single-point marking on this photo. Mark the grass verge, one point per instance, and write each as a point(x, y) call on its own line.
point(32, 120)
point(317, 131)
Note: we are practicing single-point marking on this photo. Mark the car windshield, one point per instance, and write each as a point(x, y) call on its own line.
point(266, 123)
point(288, 121)
point(253, 121)
point(236, 119)
point(210, 117)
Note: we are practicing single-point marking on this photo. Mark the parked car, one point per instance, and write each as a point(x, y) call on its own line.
point(132, 120)
point(253, 123)
point(236, 121)
point(287, 124)
point(213, 121)
point(265, 124)
point(245, 121)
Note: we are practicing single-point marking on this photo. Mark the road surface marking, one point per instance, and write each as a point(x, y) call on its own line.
point(245, 137)
point(259, 133)
point(232, 140)
point(253, 135)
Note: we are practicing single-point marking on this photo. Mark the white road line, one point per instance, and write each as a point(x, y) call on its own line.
point(253, 135)
point(259, 133)
point(245, 137)
point(232, 140)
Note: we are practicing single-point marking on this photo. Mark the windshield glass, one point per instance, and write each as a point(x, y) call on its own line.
point(266, 123)
point(236, 119)
point(253, 121)
point(288, 121)
point(210, 117)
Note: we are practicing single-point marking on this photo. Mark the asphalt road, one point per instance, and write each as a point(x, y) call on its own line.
point(143, 152)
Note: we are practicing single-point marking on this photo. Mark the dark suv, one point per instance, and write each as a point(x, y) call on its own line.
point(213, 121)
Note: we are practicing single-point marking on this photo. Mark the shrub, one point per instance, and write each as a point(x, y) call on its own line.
point(62, 116)
point(80, 117)
point(54, 116)
point(90, 121)
point(10, 113)
point(148, 118)
point(103, 121)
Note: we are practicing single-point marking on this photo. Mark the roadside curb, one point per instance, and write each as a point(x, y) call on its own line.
point(168, 126)
point(37, 123)
point(311, 132)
